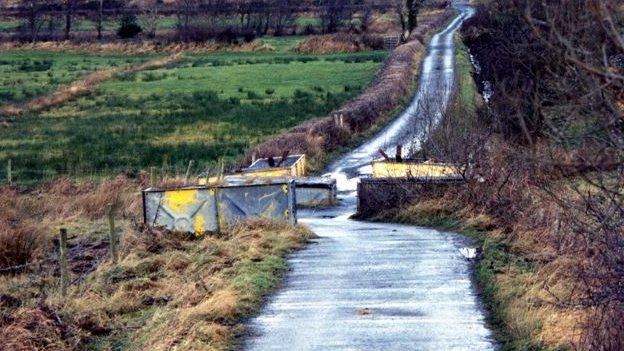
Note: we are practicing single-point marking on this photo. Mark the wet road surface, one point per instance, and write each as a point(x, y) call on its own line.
point(377, 286)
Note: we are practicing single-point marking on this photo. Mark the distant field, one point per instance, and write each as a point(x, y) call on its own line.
point(203, 108)
point(26, 74)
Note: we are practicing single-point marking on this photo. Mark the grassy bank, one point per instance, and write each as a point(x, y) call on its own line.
point(167, 291)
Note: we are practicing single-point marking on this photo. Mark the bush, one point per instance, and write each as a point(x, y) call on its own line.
point(129, 27)
point(228, 36)
point(252, 95)
point(270, 91)
point(195, 33)
point(249, 36)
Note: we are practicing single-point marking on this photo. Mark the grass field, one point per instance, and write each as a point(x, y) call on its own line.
point(203, 108)
point(26, 74)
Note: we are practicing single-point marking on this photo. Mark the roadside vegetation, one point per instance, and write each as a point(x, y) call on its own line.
point(543, 196)
point(167, 291)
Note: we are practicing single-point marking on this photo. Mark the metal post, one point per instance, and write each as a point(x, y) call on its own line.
point(112, 236)
point(63, 261)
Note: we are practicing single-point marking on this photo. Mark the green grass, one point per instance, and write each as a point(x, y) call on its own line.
point(469, 96)
point(192, 110)
point(27, 74)
point(9, 25)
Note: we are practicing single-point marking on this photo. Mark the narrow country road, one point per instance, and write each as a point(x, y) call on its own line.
point(375, 286)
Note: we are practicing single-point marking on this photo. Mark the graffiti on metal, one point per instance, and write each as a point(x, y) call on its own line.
point(275, 201)
point(190, 210)
point(210, 209)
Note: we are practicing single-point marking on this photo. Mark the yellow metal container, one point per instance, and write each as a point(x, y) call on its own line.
point(204, 209)
point(191, 210)
point(293, 166)
point(393, 169)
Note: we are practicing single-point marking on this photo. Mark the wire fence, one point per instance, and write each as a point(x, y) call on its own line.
point(10, 174)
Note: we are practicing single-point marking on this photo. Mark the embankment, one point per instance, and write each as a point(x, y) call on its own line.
point(392, 85)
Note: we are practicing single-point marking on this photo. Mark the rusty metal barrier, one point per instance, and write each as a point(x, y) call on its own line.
point(203, 209)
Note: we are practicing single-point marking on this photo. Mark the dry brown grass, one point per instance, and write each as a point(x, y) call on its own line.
point(134, 48)
point(169, 290)
point(339, 42)
point(537, 264)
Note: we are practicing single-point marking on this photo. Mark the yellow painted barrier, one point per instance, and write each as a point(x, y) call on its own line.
point(204, 209)
point(293, 166)
point(191, 210)
point(393, 169)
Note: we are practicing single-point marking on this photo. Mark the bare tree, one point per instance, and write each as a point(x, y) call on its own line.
point(333, 13)
point(68, 8)
point(407, 11)
point(34, 16)
point(150, 10)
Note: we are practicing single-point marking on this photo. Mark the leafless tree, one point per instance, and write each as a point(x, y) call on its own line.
point(407, 11)
point(150, 12)
point(68, 8)
point(34, 16)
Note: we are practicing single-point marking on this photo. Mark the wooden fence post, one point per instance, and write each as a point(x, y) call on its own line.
point(165, 167)
point(112, 236)
point(63, 261)
point(152, 170)
point(9, 172)
point(188, 171)
point(221, 169)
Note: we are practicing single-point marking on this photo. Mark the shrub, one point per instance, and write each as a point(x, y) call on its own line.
point(129, 27)
point(17, 245)
point(270, 91)
point(252, 95)
point(300, 94)
point(249, 36)
point(228, 35)
point(34, 66)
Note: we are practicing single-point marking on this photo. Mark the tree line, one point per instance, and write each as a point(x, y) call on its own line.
point(198, 20)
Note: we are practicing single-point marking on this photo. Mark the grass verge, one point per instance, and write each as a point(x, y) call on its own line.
point(167, 291)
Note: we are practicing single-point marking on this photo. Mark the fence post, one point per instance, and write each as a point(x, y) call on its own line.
point(112, 236)
point(152, 170)
point(9, 172)
point(165, 167)
point(222, 169)
point(188, 171)
point(63, 261)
